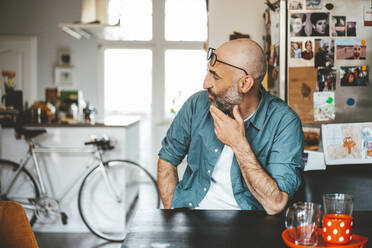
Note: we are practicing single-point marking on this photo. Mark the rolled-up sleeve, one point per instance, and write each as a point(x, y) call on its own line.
point(177, 140)
point(285, 162)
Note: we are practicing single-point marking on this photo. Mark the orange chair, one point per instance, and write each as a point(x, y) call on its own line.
point(15, 230)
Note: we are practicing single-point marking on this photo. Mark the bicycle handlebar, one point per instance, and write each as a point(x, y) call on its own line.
point(103, 144)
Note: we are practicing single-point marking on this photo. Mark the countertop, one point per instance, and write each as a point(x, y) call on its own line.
point(123, 121)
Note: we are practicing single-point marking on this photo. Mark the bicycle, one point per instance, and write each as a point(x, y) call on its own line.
point(102, 184)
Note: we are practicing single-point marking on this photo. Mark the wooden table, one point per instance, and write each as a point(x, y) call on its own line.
point(216, 228)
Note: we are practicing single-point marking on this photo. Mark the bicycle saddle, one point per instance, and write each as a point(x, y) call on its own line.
point(29, 133)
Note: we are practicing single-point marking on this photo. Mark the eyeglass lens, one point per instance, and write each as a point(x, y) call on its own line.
point(211, 57)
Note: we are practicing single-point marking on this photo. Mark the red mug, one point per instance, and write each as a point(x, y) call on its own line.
point(337, 228)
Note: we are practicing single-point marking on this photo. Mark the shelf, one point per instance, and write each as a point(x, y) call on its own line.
point(93, 31)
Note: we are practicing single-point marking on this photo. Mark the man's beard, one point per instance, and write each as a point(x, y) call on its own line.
point(226, 100)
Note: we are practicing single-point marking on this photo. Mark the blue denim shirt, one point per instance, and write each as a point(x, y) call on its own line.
point(274, 133)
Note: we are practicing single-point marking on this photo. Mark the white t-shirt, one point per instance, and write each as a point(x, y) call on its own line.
point(220, 194)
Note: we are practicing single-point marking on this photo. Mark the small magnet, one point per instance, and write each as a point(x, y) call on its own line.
point(329, 6)
point(350, 101)
point(329, 100)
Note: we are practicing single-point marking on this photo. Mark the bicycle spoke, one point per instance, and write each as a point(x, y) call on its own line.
point(99, 209)
point(23, 187)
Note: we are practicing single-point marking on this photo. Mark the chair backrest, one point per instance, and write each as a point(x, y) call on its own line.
point(355, 180)
point(15, 230)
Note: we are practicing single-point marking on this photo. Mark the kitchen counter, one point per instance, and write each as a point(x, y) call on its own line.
point(64, 168)
point(126, 121)
point(119, 124)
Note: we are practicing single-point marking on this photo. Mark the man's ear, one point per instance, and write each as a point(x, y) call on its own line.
point(246, 84)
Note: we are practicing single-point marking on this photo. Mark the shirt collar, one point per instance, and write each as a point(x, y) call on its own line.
point(258, 118)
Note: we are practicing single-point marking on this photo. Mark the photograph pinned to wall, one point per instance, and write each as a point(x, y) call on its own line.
point(295, 4)
point(351, 49)
point(338, 26)
point(314, 4)
point(326, 79)
point(309, 24)
point(324, 52)
point(324, 106)
point(354, 75)
point(301, 52)
point(367, 16)
point(308, 50)
point(351, 29)
point(64, 76)
point(296, 49)
point(296, 27)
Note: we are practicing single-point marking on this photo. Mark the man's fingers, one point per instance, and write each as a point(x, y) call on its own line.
point(218, 113)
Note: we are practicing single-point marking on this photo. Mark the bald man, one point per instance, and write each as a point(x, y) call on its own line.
point(244, 146)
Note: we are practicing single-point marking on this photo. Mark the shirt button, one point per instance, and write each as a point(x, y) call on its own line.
point(216, 150)
point(190, 204)
point(209, 171)
point(205, 189)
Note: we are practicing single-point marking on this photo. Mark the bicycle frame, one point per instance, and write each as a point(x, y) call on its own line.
point(35, 149)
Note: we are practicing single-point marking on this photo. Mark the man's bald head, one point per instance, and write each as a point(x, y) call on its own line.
point(246, 54)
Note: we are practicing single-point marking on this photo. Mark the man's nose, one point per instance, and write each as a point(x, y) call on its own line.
point(207, 83)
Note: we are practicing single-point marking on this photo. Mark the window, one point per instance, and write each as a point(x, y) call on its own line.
point(135, 18)
point(128, 77)
point(184, 75)
point(162, 40)
point(185, 20)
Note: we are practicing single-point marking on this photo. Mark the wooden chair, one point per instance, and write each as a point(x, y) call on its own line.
point(15, 230)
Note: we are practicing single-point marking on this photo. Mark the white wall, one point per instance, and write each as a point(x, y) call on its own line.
point(226, 16)
point(41, 18)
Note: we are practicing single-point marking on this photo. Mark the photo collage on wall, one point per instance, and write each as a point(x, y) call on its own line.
point(316, 39)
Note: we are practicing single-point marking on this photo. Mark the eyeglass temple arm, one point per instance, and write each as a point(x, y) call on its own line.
point(246, 73)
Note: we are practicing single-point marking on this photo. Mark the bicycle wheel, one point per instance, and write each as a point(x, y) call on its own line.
point(24, 189)
point(103, 214)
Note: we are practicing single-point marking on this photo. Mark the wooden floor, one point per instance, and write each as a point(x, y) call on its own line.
point(87, 240)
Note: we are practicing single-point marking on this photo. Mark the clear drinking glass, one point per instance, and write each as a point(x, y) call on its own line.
point(302, 222)
point(337, 219)
point(338, 204)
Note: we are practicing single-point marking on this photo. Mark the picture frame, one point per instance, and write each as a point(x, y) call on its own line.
point(64, 57)
point(64, 76)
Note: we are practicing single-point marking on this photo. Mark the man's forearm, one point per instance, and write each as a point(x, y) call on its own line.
point(261, 185)
point(167, 181)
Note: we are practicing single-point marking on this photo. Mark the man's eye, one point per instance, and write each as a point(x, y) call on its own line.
point(215, 77)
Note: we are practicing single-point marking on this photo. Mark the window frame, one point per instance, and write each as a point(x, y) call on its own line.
point(158, 45)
